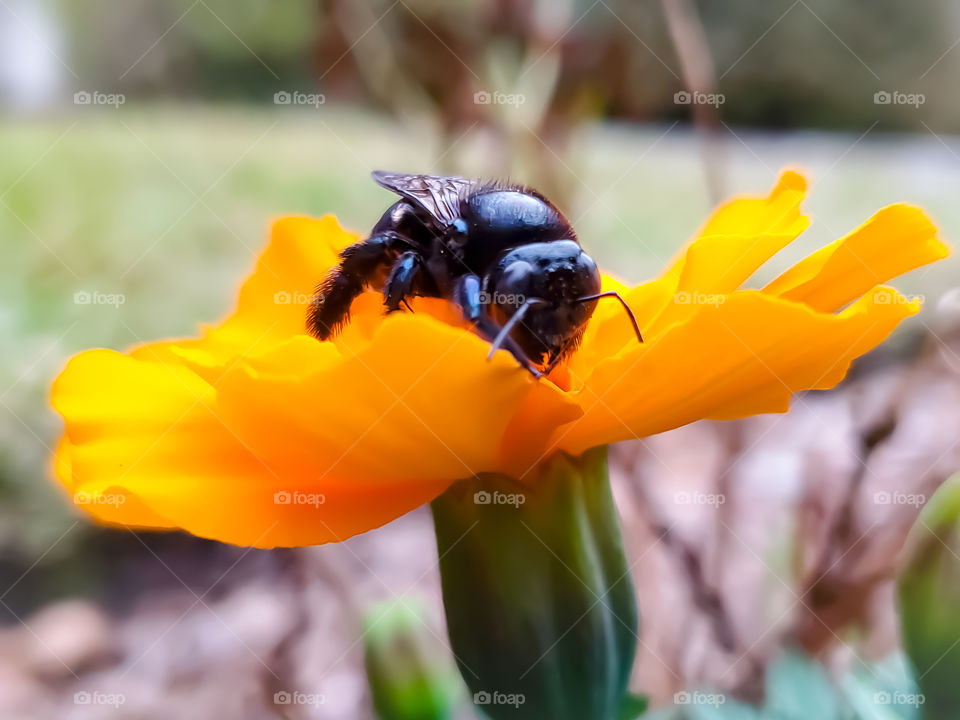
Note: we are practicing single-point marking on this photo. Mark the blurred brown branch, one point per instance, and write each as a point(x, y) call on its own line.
point(699, 76)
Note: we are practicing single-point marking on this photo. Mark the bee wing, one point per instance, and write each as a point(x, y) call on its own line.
point(439, 195)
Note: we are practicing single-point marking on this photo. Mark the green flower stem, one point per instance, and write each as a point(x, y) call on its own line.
point(539, 602)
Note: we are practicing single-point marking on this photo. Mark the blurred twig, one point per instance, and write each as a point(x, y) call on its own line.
point(696, 67)
point(838, 588)
point(704, 595)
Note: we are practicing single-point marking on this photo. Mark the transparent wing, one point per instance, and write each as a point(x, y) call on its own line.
point(439, 195)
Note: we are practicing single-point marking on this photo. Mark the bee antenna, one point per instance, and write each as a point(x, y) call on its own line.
point(629, 311)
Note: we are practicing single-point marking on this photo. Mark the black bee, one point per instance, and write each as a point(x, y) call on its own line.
point(502, 253)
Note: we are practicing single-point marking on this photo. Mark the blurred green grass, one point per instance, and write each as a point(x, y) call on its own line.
point(168, 206)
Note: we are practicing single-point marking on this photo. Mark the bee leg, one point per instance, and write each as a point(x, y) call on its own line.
point(403, 279)
point(553, 363)
point(466, 294)
point(359, 264)
point(489, 330)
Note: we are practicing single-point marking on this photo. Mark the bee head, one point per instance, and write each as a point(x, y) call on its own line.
point(553, 285)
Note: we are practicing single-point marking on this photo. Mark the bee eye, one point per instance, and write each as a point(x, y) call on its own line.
point(516, 273)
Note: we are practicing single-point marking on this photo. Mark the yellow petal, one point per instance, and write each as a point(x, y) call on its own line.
point(740, 236)
point(376, 430)
point(274, 298)
point(742, 357)
point(732, 246)
point(895, 240)
point(147, 447)
point(419, 401)
point(743, 236)
point(272, 302)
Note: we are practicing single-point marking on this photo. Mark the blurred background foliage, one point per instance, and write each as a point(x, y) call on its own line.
point(166, 199)
point(810, 65)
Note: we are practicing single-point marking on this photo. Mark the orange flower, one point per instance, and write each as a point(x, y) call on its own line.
point(257, 434)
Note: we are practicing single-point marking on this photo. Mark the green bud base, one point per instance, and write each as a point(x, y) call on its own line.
point(539, 602)
point(408, 678)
